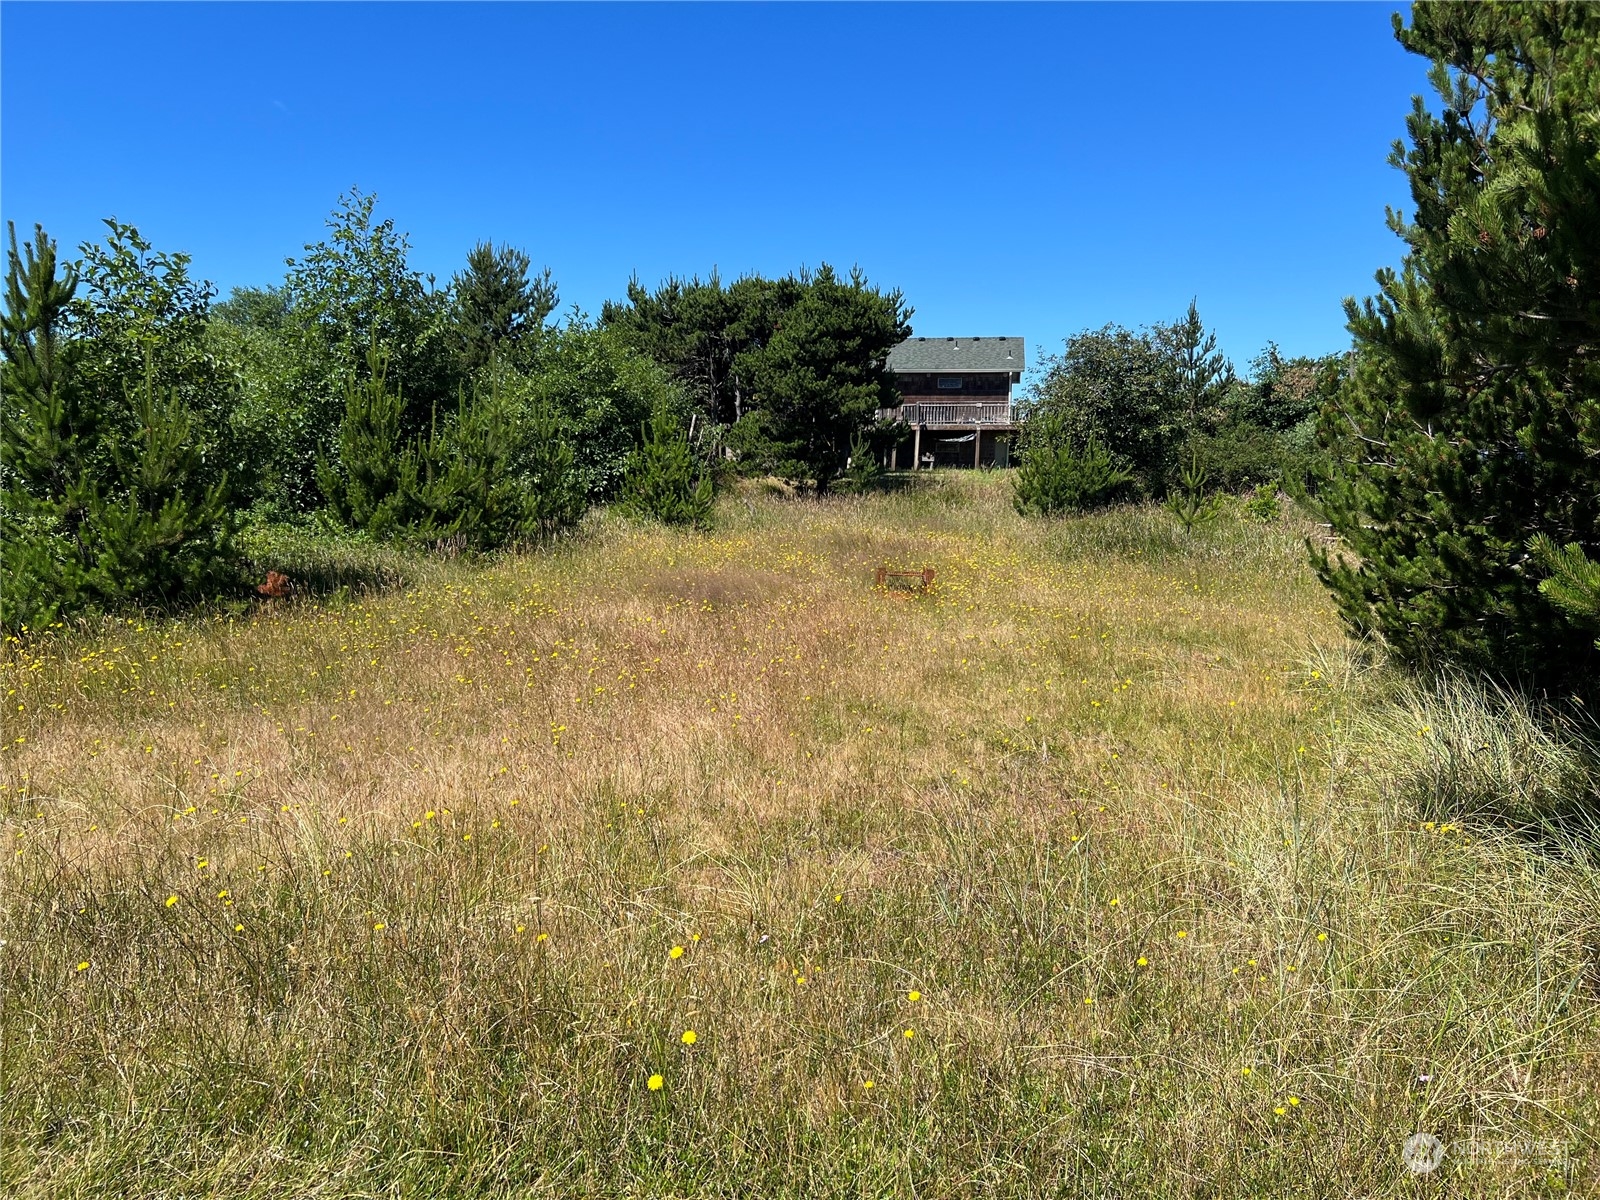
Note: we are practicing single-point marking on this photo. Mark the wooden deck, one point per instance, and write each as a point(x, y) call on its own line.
point(975, 421)
point(945, 415)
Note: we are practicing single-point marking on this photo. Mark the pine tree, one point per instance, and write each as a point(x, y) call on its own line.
point(477, 485)
point(164, 533)
point(1472, 418)
point(108, 500)
point(46, 436)
point(823, 375)
point(1201, 369)
point(665, 481)
point(483, 476)
point(1573, 582)
point(364, 486)
point(1058, 476)
point(495, 306)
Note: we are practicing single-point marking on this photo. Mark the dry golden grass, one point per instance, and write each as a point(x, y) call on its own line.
point(381, 897)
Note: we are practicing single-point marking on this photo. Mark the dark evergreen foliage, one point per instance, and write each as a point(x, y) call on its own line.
point(1572, 582)
point(494, 477)
point(496, 308)
point(666, 480)
point(1472, 418)
point(364, 483)
point(1060, 475)
point(796, 367)
point(823, 375)
point(1201, 371)
point(703, 333)
point(108, 498)
point(487, 475)
point(863, 471)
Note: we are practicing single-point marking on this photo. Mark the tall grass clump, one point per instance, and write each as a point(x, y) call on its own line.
point(1461, 748)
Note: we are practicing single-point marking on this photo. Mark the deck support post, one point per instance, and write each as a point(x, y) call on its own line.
point(916, 450)
point(977, 449)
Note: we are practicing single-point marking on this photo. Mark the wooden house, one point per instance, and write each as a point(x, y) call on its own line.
point(956, 399)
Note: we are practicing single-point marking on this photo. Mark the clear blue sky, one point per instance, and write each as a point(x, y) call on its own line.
point(1024, 169)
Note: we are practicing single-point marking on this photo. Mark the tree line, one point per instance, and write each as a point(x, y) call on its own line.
point(144, 423)
point(1121, 414)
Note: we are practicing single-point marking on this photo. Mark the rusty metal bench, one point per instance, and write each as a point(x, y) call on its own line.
point(924, 576)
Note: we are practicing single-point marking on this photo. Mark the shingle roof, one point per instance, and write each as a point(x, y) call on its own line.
point(958, 354)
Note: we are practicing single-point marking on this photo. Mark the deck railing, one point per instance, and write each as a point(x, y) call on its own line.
point(918, 413)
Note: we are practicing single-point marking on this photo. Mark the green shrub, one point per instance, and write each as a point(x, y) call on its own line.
point(602, 392)
point(1057, 477)
point(1192, 502)
point(1263, 503)
point(364, 486)
point(108, 501)
point(665, 481)
point(862, 472)
point(1239, 456)
point(492, 473)
point(495, 477)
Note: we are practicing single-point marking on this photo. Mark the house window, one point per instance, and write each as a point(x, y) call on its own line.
point(949, 383)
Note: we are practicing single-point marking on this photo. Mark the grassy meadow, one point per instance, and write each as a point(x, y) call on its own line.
point(692, 864)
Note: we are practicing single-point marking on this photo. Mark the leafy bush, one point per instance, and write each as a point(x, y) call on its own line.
point(1057, 477)
point(1116, 389)
point(603, 393)
point(352, 291)
point(665, 481)
point(1239, 456)
point(1263, 503)
point(138, 320)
